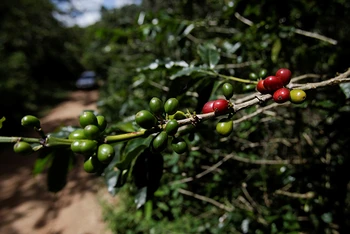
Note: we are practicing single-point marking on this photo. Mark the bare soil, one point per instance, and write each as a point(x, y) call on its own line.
point(25, 204)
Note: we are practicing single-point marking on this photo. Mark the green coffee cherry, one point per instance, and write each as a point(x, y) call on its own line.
point(263, 73)
point(91, 132)
point(87, 118)
point(76, 147)
point(171, 105)
point(77, 134)
point(160, 141)
point(171, 127)
point(179, 145)
point(30, 121)
point(101, 122)
point(22, 147)
point(91, 165)
point(227, 90)
point(88, 147)
point(297, 96)
point(105, 153)
point(253, 76)
point(156, 106)
point(224, 127)
point(145, 119)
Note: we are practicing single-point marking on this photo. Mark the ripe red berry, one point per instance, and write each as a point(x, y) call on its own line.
point(285, 75)
point(220, 106)
point(281, 95)
point(208, 107)
point(261, 88)
point(272, 83)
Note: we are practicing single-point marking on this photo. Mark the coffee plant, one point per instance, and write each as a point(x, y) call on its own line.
point(209, 120)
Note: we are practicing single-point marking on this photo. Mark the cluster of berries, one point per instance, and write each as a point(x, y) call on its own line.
point(276, 85)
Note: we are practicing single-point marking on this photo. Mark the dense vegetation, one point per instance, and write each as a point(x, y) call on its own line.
point(280, 171)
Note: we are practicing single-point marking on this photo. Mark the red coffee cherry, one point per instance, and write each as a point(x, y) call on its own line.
point(220, 106)
point(208, 107)
point(284, 74)
point(281, 95)
point(272, 83)
point(261, 88)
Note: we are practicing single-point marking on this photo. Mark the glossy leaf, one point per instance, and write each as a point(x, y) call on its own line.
point(346, 89)
point(209, 54)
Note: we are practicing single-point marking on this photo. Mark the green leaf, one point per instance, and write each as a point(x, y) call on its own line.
point(141, 197)
point(133, 149)
point(2, 120)
point(111, 178)
point(41, 163)
point(125, 126)
point(186, 72)
point(209, 54)
point(276, 48)
point(346, 89)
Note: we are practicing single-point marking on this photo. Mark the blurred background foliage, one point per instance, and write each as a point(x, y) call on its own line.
point(282, 171)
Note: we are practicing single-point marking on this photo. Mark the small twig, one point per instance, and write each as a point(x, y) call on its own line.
point(261, 110)
point(203, 173)
point(237, 65)
point(269, 162)
point(247, 205)
point(250, 199)
point(305, 76)
point(316, 36)
point(243, 19)
point(342, 78)
point(207, 199)
point(297, 31)
point(307, 195)
point(223, 30)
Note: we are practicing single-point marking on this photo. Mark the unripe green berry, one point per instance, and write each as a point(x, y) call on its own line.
point(179, 145)
point(145, 119)
point(91, 132)
point(160, 141)
point(87, 118)
point(171, 127)
point(22, 147)
point(77, 134)
point(105, 153)
point(30, 121)
point(101, 122)
point(156, 106)
point(297, 96)
point(253, 76)
point(224, 127)
point(91, 165)
point(227, 90)
point(263, 73)
point(171, 105)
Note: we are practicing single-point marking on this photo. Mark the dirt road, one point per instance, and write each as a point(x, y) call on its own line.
point(27, 207)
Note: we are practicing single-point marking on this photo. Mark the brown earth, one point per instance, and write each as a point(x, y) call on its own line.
point(25, 204)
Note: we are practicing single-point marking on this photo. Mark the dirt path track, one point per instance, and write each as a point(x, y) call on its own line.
point(25, 205)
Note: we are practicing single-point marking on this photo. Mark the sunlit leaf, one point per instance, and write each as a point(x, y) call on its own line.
point(346, 89)
point(141, 197)
point(209, 54)
point(187, 71)
point(111, 178)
